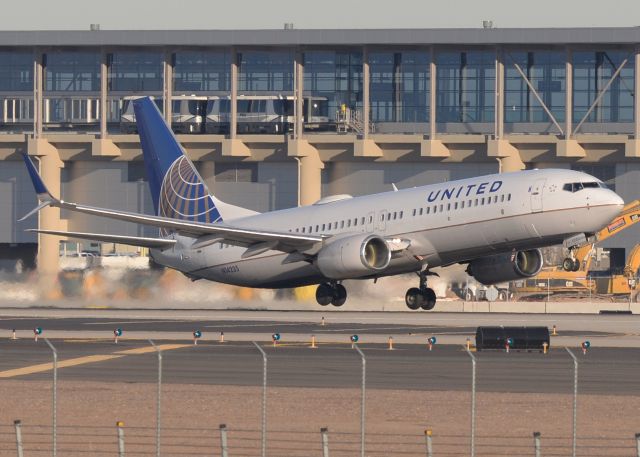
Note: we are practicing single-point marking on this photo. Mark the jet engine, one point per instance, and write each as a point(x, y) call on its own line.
point(506, 267)
point(353, 256)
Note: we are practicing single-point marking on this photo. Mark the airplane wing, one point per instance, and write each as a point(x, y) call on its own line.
point(204, 234)
point(143, 242)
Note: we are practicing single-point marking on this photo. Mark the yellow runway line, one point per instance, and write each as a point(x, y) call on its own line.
point(86, 359)
point(147, 349)
point(62, 364)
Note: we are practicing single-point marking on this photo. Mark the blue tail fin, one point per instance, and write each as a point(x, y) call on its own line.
point(177, 189)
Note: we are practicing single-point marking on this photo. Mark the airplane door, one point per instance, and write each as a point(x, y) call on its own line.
point(536, 195)
point(371, 220)
point(382, 218)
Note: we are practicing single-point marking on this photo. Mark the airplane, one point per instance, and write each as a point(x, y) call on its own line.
point(495, 224)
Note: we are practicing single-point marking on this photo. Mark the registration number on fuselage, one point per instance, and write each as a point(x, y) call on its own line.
point(230, 269)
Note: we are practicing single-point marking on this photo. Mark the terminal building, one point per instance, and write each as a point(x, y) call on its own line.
point(278, 118)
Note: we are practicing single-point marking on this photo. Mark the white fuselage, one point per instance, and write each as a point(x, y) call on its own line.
point(444, 223)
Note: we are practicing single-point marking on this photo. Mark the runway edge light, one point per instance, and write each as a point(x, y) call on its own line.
point(196, 335)
point(275, 337)
point(36, 332)
point(354, 339)
point(116, 334)
point(585, 345)
point(432, 341)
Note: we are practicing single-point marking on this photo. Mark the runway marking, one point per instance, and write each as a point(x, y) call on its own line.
point(42, 367)
point(62, 364)
point(148, 349)
point(139, 321)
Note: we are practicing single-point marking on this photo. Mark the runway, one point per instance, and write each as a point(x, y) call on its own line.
point(407, 367)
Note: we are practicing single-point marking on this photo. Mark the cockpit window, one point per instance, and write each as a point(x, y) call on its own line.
point(577, 186)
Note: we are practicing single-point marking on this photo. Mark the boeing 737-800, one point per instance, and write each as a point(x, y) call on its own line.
point(493, 223)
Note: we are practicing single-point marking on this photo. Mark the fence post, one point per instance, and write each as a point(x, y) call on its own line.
point(324, 431)
point(158, 398)
point(223, 440)
point(18, 425)
point(264, 399)
point(427, 437)
point(55, 398)
point(575, 400)
point(536, 443)
point(473, 402)
point(362, 399)
point(120, 430)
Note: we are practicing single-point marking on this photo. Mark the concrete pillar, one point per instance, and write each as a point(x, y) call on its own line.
point(632, 147)
point(104, 75)
point(365, 93)
point(298, 72)
point(310, 181)
point(568, 96)
point(507, 155)
point(568, 147)
point(432, 94)
point(233, 114)
point(499, 96)
point(636, 92)
point(207, 171)
point(167, 86)
point(38, 99)
point(232, 146)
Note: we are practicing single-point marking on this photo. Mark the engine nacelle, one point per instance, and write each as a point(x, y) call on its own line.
point(506, 267)
point(354, 256)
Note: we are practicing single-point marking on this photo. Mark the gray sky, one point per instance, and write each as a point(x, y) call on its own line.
point(271, 14)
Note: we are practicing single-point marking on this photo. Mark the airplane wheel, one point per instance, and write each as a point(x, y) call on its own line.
point(468, 295)
point(429, 299)
point(576, 265)
point(413, 298)
point(502, 295)
point(339, 295)
point(567, 264)
point(324, 294)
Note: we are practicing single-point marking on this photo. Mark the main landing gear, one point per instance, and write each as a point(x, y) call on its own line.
point(421, 297)
point(331, 292)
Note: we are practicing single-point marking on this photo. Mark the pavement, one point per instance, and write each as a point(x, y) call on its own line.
point(87, 352)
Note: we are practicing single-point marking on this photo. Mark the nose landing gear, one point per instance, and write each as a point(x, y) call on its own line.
point(421, 297)
point(331, 292)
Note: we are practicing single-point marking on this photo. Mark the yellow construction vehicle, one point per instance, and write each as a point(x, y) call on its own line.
point(573, 276)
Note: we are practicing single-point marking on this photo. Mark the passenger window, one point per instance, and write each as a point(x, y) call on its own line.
point(341, 224)
point(362, 221)
point(381, 217)
point(370, 219)
point(455, 205)
point(420, 211)
point(302, 229)
point(509, 197)
point(441, 208)
point(435, 209)
point(355, 222)
point(317, 228)
point(401, 214)
point(394, 215)
point(495, 199)
point(482, 201)
point(448, 206)
point(414, 212)
point(428, 210)
point(348, 222)
point(462, 204)
point(335, 225)
point(323, 227)
point(502, 197)
point(476, 202)
point(388, 216)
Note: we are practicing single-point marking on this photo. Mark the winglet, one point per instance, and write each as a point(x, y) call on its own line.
point(43, 193)
point(41, 190)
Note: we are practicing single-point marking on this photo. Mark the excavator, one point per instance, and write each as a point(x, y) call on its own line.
point(573, 276)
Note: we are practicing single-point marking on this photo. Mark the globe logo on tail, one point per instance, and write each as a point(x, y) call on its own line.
point(184, 195)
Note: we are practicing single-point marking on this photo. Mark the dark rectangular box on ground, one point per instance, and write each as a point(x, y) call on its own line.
point(526, 338)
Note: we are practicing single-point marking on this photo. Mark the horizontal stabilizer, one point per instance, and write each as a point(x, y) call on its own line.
point(139, 241)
